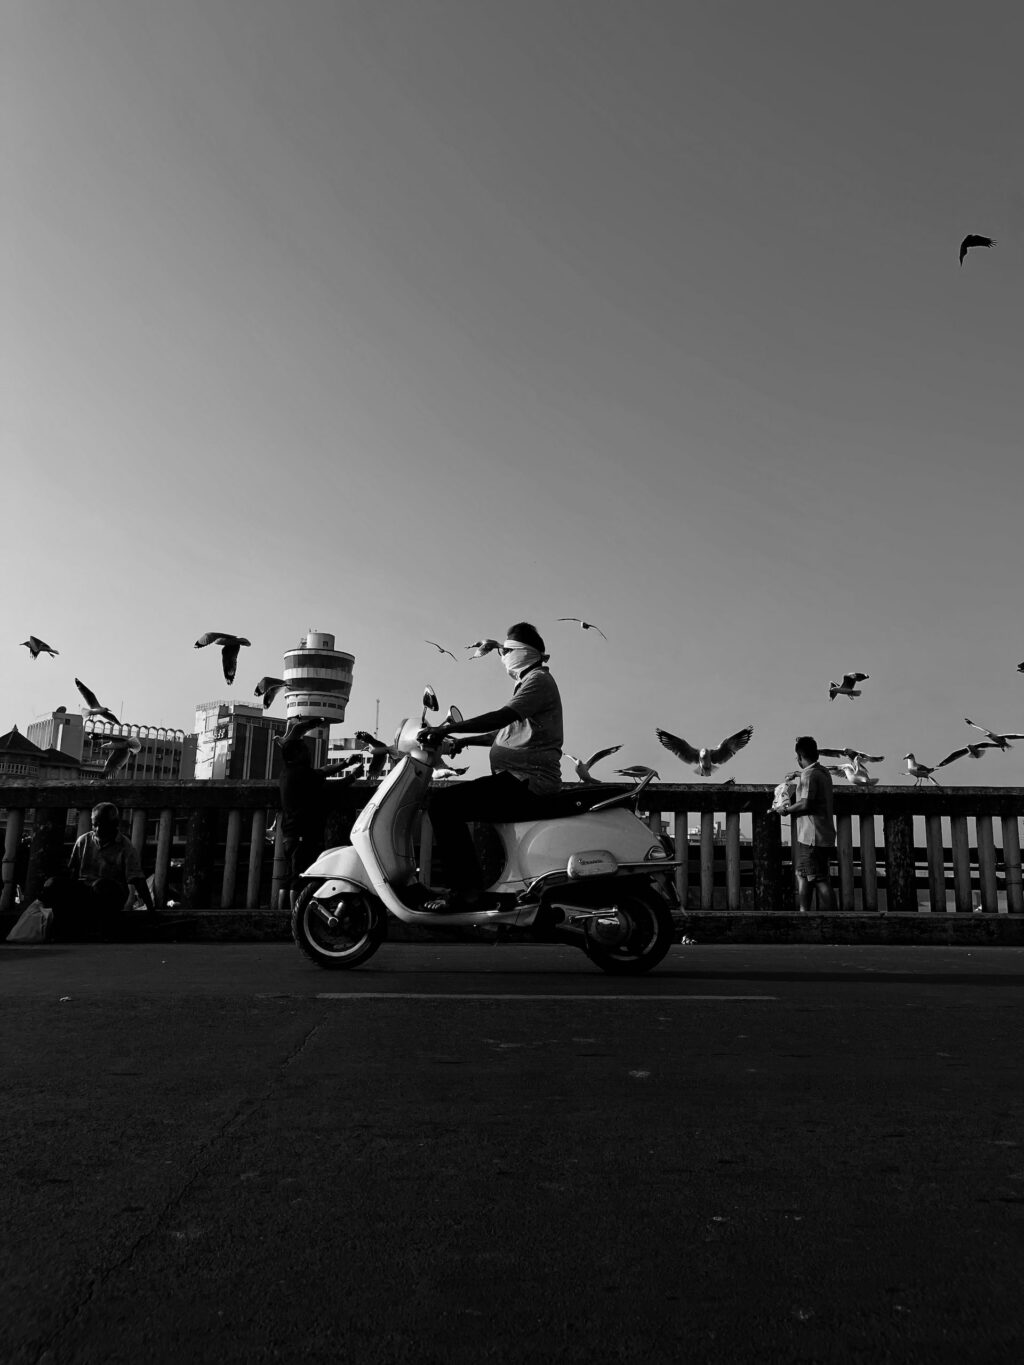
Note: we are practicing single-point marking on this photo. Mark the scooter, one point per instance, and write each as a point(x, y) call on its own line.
point(584, 871)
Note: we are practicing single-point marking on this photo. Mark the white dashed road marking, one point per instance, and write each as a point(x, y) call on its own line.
point(467, 995)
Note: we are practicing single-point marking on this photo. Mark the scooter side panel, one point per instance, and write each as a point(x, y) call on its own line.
point(546, 845)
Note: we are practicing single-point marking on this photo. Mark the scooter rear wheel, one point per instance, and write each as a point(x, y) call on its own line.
point(647, 940)
point(361, 929)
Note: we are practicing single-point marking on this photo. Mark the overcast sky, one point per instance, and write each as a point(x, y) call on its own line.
point(407, 320)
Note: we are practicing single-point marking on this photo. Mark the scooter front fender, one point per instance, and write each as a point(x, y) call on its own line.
point(341, 864)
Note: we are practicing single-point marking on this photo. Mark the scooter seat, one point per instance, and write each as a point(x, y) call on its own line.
point(572, 801)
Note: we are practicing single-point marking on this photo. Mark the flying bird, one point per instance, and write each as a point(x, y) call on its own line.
point(121, 749)
point(856, 775)
point(999, 741)
point(975, 751)
point(35, 647)
point(1020, 666)
point(847, 688)
point(269, 689)
point(585, 625)
point(93, 703)
point(638, 772)
point(704, 761)
point(229, 644)
point(920, 772)
point(972, 239)
point(440, 648)
point(854, 755)
point(583, 766)
point(482, 647)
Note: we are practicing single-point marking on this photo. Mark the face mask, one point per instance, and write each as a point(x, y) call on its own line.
point(519, 658)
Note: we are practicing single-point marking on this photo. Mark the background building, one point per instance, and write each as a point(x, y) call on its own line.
point(165, 755)
point(319, 678)
point(21, 758)
point(235, 741)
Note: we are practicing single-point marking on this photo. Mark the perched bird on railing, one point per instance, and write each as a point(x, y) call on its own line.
point(854, 755)
point(482, 647)
point(705, 761)
point(920, 772)
point(122, 748)
point(93, 703)
point(583, 766)
point(269, 689)
point(974, 750)
point(998, 741)
point(856, 774)
point(637, 772)
point(35, 647)
point(230, 645)
point(585, 625)
point(972, 239)
point(848, 687)
point(440, 648)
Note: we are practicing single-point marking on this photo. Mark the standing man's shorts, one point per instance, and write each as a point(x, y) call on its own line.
point(812, 862)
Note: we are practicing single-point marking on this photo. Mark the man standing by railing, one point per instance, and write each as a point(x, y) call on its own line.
point(815, 827)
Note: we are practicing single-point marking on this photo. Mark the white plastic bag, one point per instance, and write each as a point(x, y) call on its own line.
point(34, 924)
point(784, 795)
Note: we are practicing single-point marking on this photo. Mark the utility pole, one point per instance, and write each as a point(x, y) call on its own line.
point(376, 721)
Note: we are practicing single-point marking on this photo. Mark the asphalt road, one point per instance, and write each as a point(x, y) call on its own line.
point(222, 1153)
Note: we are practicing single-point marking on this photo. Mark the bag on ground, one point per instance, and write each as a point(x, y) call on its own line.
point(34, 924)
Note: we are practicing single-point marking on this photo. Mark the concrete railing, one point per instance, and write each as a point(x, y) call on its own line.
point(899, 849)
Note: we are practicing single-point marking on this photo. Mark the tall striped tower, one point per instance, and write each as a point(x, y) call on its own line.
point(319, 678)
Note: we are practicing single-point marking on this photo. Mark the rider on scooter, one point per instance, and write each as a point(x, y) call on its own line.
point(525, 739)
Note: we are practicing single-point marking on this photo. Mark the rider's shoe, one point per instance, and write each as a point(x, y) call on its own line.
point(454, 902)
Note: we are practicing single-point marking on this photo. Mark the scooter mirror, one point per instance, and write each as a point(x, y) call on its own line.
point(430, 699)
point(454, 716)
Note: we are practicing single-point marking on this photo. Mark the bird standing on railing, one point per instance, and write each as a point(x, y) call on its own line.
point(920, 772)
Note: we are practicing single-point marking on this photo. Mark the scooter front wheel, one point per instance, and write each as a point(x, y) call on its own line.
point(343, 932)
point(636, 936)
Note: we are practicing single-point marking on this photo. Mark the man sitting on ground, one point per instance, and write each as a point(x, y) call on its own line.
point(104, 872)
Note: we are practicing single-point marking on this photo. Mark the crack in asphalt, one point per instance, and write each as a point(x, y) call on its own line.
point(200, 1160)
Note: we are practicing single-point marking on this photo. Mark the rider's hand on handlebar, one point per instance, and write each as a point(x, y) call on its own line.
point(453, 745)
point(431, 736)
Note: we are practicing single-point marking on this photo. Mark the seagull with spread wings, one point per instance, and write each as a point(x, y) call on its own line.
point(35, 647)
point(854, 755)
point(974, 750)
point(440, 649)
point(230, 645)
point(855, 774)
point(998, 741)
point(93, 703)
point(846, 688)
point(585, 625)
point(920, 772)
point(704, 761)
point(972, 239)
point(484, 646)
point(269, 689)
point(583, 766)
point(121, 749)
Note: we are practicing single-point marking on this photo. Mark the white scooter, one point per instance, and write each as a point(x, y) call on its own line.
point(586, 872)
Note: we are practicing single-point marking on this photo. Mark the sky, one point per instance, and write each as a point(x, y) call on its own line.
point(408, 320)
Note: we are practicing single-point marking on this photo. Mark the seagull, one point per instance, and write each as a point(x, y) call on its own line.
point(35, 647)
point(583, 766)
point(854, 774)
point(585, 625)
point(846, 688)
point(975, 751)
point(638, 772)
point(375, 754)
point(229, 649)
point(999, 741)
point(440, 648)
point(854, 755)
point(1020, 666)
point(121, 749)
point(295, 729)
point(920, 772)
point(482, 647)
point(269, 689)
point(442, 772)
point(92, 702)
point(972, 239)
point(705, 761)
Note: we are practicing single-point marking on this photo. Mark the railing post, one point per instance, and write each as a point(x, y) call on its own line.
point(987, 864)
point(844, 856)
point(936, 862)
point(197, 873)
point(257, 838)
point(162, 862)
point(707, 859)
point(15, 824)
point(1011, 863)
point(681, 837)
point(279, 876)
point(138, 835)
point(868, 866)
point(900, 872)
point(961, 863)
point(732, 860)
point(232, 843)
point(766, 837)
point(46, 857)
point(426, 849)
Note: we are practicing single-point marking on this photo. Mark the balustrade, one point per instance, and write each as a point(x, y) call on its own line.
point(206, 844)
